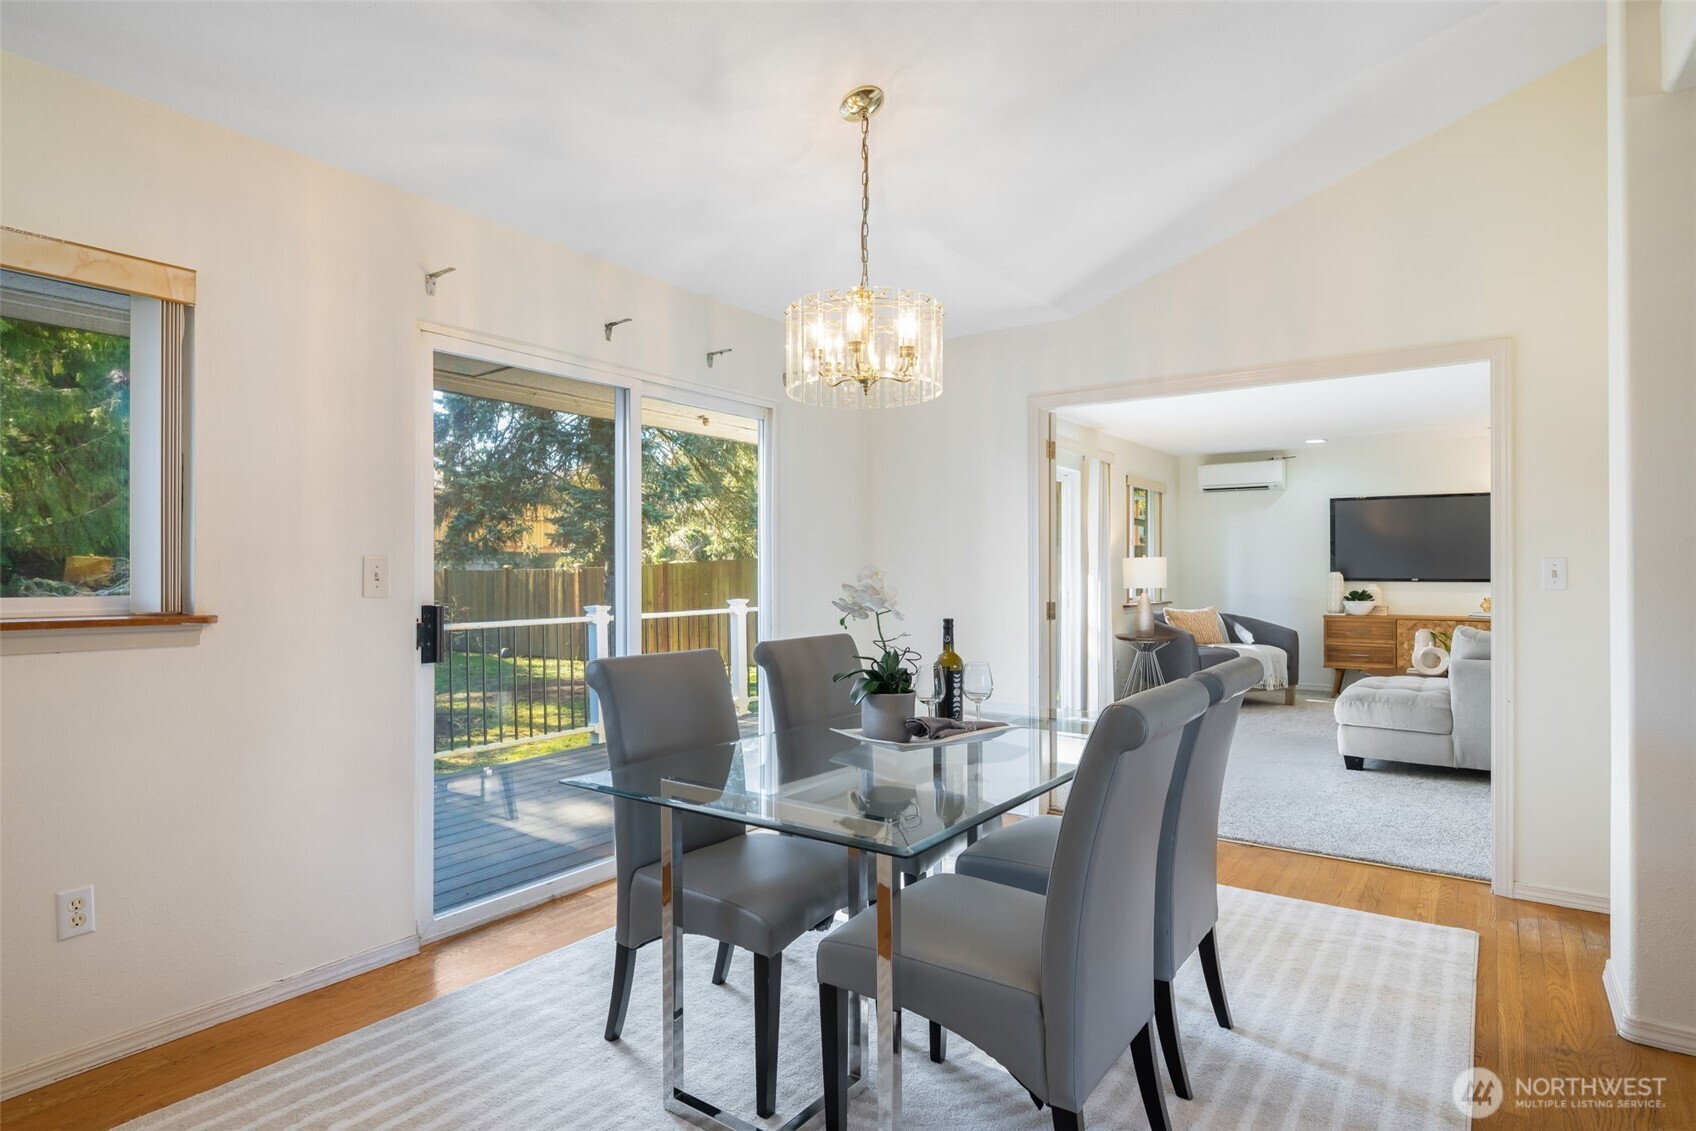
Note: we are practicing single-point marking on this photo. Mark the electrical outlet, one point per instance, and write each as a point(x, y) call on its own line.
point(76, 912)
point(376, 575)
point(1554, 573)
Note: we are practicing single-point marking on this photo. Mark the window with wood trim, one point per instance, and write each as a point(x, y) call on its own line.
point(94, 353)
point(1145, 520)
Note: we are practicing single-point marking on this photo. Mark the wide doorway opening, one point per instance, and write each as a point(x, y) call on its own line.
point(1344, 529)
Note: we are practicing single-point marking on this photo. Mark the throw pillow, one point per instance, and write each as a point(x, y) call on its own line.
point(1204, 624)
point(1244, 636)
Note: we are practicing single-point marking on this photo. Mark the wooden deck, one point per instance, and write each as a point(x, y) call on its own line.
point(515, 824)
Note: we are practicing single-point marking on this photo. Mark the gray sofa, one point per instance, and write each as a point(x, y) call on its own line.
point(1428, 721)
point(1184, 657)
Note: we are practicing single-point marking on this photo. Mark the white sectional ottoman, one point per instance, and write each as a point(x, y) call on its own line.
point(1399, 718)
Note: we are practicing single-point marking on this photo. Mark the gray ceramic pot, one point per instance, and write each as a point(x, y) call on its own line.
point(884, 717)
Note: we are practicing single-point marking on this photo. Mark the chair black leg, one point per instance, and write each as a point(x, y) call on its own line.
point(1215, 980)
point(1352, 763)
point(1067, 1120)
point(1148, 1081)
point(623, 967)
point(768, 1005)
point(721, 967)
point(1166, 1020)
point(833, 1034)
point(938, 1043)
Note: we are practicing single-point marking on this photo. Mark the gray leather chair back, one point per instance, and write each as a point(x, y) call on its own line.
point(800, 686)
point(652, 707)
point(1187, 883)
point(1098, 929)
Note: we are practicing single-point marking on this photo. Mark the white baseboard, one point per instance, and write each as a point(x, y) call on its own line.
point(1661, 1036)
point(1562, 897)
point(32, 1076)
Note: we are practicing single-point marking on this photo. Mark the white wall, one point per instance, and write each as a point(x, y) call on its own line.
point(1493, 226)
point(244, 808)
point(1652, 411)
point(1268, 554)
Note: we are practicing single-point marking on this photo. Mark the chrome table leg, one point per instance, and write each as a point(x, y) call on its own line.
point(888, 1030)
point(856, 1007)
point(678, 1099)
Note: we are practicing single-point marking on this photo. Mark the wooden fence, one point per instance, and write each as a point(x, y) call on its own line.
point(527, 594)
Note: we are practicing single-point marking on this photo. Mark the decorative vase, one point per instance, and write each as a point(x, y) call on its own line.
point(1430, 660)
point(1359, 608)
point(1334, 596)
point(884, 717)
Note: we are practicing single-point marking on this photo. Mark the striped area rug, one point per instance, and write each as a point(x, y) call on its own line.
point(1343, 1019)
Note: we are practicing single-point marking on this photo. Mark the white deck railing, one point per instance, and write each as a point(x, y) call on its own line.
point(598, 621)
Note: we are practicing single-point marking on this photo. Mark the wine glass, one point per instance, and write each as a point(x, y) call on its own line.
point(930, 690)
point(979, 684)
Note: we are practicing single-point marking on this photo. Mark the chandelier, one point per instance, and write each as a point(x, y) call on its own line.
point(864, 347)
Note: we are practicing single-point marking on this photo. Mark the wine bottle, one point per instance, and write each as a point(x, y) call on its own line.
point(952, 705)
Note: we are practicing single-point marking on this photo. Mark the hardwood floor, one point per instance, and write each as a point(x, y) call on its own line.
point(1541, 1008)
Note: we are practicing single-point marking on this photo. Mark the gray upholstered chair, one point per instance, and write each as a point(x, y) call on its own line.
point(1052, 986)
point(1187, 906)
point(800, 678)
point(1184, 657)
point(801, 688)
point(755, 891)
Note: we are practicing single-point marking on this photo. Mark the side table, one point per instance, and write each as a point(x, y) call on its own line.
point(1144, 671)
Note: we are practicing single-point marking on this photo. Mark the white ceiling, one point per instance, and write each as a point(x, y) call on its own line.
point(1269, 418)
point(1033, 159)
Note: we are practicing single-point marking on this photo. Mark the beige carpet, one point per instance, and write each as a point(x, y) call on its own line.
point(1286, 786)
point(1344, 1020)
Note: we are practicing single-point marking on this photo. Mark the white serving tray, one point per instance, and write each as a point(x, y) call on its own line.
point(989, 732)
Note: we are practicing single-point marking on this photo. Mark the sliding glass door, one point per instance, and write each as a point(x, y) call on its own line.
point(701, 538)
point(570, 519)
point(526, 527)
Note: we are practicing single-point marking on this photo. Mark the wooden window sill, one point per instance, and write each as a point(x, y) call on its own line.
point(27, 635)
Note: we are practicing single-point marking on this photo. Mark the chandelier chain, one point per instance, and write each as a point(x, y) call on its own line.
point(865, 194)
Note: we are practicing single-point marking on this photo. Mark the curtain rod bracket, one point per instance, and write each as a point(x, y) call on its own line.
point(430, 278)
point(714, 353)
point(607, 326)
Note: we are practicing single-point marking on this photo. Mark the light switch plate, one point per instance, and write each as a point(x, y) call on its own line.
point(1554, 573)
point(376, 575)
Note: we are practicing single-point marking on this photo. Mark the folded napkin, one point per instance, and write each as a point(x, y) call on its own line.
point(930, 727)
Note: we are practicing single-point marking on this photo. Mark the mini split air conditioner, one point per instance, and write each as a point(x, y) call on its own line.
point(1260, 475)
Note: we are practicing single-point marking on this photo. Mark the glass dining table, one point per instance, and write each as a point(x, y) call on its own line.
point(886, 804)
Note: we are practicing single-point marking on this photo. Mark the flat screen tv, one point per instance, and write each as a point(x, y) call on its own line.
point(1412, 537)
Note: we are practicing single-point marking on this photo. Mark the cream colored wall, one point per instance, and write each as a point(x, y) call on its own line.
point(1491, 227)
point(244, 808)
point(1652, 416)
point(1267, 554)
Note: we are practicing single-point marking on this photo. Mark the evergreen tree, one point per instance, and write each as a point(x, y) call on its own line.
point(64, 452)
point(530, 487)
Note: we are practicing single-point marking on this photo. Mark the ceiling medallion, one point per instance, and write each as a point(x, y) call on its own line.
point(864, 347)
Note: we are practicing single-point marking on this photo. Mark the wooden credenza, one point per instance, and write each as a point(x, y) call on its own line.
point(1381, 642)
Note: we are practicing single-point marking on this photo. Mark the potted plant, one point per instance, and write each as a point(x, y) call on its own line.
point(1359, 602)
point(884, 687)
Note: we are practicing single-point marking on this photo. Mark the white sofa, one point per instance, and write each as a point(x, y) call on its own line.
point(1429, 721)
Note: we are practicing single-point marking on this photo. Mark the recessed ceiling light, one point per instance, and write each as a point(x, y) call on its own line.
point(1316, 441)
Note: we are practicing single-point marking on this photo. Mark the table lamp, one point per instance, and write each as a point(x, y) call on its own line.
point(1144, 574)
